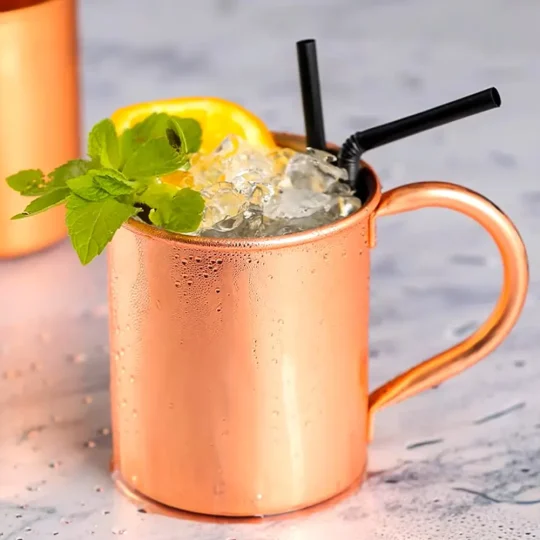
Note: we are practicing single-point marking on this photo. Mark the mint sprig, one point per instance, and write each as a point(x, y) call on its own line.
point(120, 179)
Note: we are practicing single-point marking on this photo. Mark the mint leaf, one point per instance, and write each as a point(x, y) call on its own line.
point(91, 225)
point(113, 182)
point(151, 127)
point(182, 213)
point(71, 169)
point(29, 182)
point(50, 199)
point(192, 132)
point(154, 158)
point(86, 188)
point(157, 194)
point(103, 145)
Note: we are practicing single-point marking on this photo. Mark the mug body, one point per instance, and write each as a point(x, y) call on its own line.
point(239, 366)
point(39, 111)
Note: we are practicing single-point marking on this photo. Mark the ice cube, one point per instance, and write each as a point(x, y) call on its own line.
point(294, 203)
point(244, 225)
point(222, 201)
point(313, 171)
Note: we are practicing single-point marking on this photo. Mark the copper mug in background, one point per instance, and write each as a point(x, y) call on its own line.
point(39, 111)
point(239, 367)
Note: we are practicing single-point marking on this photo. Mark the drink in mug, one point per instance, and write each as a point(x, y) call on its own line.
point(239, 347)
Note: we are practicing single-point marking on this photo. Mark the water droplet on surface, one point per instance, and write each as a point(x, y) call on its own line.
point(184, 262)
point(132, 379)
point(98, 489)
point(122, 352)
point(218, 291)
point(116, 357)
point(259, 496)
point(219, 309)
point(171, 405)
point(90, 444)
point(275, 413)
point(88, 399)
point(177, 284)
point(190, 282)
point(280, 321)
point(124, 402)
point(104, 431)
point(219, 261)
point(79, 358)
point(198, 259)
point(134, 478)
point(134, 413)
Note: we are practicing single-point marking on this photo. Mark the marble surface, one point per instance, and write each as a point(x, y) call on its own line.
point(461, 461)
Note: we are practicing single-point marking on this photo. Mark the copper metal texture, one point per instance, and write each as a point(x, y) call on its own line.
point(239, 366)
point(39, 111)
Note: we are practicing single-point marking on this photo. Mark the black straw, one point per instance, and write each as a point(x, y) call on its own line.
point(311, 93)
point(360, 142)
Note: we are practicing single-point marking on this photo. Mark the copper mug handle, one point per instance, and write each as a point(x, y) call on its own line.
point(485, 339)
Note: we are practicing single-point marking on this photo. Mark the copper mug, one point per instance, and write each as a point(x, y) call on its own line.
point(39, 111)
point(239, 367)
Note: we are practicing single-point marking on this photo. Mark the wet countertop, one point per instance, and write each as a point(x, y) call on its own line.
point(460, 461)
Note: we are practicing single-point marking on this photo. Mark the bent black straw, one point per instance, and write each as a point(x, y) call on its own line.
point(360, 142)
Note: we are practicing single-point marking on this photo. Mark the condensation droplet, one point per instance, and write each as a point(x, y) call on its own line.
point(205, 275)
point(198, 259)
point(280, 321)
point(184, 262)
point(190, 282)
point(88, 399)
point(104, 431)
point(124, 403)
point(275, 413)
point(90, 444)
point(131, 379)
point(177, 284)
point(134, 413)
point(122, 352)
point(218, 290)
point(219, 261)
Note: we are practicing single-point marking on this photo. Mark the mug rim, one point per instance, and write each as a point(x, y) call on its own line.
point(266, 242)
point(26, 10)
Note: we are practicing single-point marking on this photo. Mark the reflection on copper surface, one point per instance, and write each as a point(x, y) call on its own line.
point(239, 366)
point(39, 111)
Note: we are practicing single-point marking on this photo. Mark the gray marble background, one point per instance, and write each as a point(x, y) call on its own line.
point(435, 274)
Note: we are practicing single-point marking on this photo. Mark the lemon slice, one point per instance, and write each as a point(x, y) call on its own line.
point(218, 118)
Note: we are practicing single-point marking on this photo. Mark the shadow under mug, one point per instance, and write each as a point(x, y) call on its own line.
point(39, 111)
point(239, 367)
